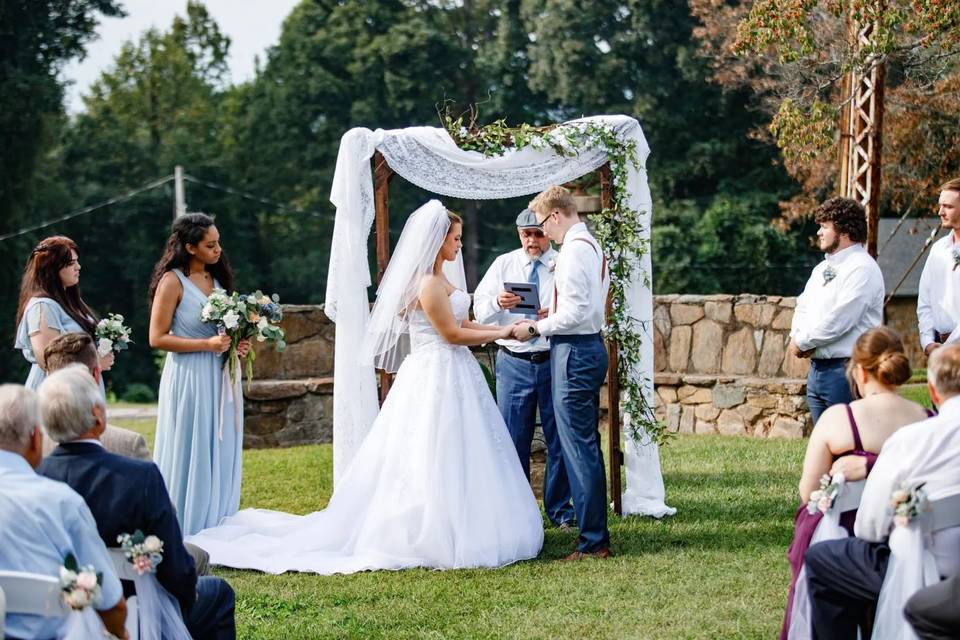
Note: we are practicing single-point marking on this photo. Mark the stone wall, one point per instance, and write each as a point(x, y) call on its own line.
point(721, 366)
point(290, 400)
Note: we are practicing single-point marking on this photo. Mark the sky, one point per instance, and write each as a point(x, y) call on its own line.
point(253, 26)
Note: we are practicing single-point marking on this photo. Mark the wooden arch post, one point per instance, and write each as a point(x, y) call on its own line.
point(382, 174)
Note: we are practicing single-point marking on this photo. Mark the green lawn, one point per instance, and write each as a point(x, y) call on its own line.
point(715, 570)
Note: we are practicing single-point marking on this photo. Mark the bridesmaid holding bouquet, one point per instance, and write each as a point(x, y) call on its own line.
point(51, 305)
point(199, 422)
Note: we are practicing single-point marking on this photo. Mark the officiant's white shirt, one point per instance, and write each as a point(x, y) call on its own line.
point(513, 267)
point(830, 316)
point(927, 451)
point(581, 292)
point(938, 298)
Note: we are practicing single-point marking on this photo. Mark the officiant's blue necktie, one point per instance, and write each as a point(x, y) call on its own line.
point(534, 278)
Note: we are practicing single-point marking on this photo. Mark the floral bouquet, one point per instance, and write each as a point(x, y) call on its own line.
point(112, 334)
point(824, 497)
point(252, 316)
point(143, 552)
point(907, 502)
point(80, 585)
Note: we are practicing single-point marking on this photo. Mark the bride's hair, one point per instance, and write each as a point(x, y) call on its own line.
point(454, 218)
point(880, 352)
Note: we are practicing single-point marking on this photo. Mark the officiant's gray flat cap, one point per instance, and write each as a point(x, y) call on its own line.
point(528, 220)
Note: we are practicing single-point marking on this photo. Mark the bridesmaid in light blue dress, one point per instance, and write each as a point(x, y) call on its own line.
point(199, 425)
point(51, 305)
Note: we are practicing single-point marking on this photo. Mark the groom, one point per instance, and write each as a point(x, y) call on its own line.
point(578, 360)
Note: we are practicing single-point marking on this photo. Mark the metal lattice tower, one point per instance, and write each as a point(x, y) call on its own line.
point(862, 135)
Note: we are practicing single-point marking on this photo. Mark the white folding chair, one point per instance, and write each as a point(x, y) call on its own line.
point(125, 571)
point(31, 594)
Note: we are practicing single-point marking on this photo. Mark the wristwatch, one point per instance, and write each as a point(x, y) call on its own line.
point(532, 329)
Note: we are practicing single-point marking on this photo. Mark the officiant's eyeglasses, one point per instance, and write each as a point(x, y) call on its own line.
point(536, 233)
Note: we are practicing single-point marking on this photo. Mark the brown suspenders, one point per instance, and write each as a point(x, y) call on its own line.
point(603, 268)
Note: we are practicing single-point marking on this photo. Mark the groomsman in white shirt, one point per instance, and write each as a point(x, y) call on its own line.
point(938, 301)
point(845, 576)
point(523, 368)
point(578, 358)
point(842, 299)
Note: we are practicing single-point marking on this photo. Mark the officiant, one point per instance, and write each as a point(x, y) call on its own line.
point(523, 368)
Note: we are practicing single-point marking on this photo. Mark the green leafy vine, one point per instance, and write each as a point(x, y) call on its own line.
point(619, 231)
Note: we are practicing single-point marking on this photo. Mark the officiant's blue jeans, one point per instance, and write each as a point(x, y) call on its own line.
point(579, 365)
point(522, 386)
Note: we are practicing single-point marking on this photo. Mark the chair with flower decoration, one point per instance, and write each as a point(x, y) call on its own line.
point(153, 613)
point(30, 594)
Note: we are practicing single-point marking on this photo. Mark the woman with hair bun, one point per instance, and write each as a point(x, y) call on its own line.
point(199, 437)
point(51, 305)
point(849, 437)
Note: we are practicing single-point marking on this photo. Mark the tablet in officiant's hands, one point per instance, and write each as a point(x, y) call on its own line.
point(529, 297)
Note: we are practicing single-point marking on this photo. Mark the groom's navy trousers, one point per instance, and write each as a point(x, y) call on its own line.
point(522, 386)
point(579, 365)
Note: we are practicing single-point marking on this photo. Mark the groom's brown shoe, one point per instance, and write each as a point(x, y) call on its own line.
point(600, 554)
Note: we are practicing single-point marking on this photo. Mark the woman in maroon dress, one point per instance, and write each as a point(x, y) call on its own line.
point(848, 437)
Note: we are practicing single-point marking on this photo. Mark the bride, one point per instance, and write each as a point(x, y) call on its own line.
point(437, 482)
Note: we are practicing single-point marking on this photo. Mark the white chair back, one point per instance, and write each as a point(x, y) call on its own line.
point(32, 594)
point(153, 613)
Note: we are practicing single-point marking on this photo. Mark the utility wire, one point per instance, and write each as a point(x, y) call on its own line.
point(250, 196)
point(88, 209)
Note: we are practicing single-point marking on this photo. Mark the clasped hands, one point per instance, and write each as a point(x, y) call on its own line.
point(797, 352)
point(519, 330)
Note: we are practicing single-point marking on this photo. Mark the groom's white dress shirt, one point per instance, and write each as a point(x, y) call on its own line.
point(929, 452)
point(831, 315)
point(581, 293)
point(938, 298)
point(513, 267)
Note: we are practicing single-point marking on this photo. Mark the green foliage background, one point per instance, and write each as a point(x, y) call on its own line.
point(167, 100)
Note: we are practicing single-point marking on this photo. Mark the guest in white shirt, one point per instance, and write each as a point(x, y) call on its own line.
point(938, 300)
point(842, 299)
point(42, 521)
point(578, 360)
point(523, 368)
point(845, 576)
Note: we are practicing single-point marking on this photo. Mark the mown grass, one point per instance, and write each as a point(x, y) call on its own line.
point(715, 570)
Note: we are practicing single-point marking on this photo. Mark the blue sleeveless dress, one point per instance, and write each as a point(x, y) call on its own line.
point(54, 317)
point(198, 456)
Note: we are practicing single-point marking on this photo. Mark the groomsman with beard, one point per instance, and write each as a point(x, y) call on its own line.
point(938, 299)
point(842, 299)
point(524, 381)
point(578, 359)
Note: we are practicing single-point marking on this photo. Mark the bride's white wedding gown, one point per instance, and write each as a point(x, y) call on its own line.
point(436, 483)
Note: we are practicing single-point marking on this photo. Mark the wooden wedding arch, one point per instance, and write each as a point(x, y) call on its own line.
point(382, 175)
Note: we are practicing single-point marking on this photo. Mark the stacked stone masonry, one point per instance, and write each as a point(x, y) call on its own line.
point(722, 366)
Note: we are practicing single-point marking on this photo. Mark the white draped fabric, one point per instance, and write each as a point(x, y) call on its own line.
point(429, 158)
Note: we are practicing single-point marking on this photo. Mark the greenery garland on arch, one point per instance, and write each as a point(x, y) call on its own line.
point(618, 230)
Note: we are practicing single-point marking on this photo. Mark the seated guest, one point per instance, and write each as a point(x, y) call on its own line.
point(42, 521)
point(77, 347)
point(125, 495)
point(934, 611)
point(848, 436)
point(845, 576)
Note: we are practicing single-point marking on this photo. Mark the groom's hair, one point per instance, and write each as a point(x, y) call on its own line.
point(554, 197)
point(951, 185)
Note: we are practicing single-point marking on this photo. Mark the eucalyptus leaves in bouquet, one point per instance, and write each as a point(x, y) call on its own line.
point(252, 316)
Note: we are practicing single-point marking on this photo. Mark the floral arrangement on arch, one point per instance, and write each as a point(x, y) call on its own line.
point(618, 229)
point(79, 586)
point(143, 552)
point(251, 316)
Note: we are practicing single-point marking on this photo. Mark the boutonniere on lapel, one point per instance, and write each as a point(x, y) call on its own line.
point(955, 252)
point(551, 265)
point(829, 274)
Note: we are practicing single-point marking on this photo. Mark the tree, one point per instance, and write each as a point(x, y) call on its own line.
point(793, 54)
